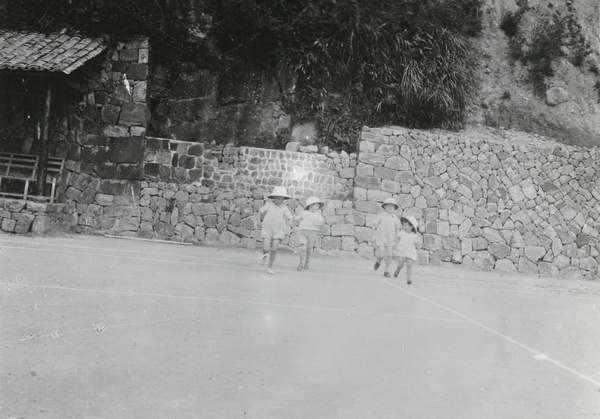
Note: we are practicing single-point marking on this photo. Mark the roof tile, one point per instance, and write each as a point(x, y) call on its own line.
point(54, 52)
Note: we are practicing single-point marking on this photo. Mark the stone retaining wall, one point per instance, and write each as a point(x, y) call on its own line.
point(246, 168)
point(22, 217)
point(194, 213)
point(481, 200)
point(487, 202)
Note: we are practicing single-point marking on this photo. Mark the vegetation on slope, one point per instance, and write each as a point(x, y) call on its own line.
point(355, 62)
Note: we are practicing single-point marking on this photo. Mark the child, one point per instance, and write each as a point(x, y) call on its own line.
point(406, 247)
point(309, 223)
point(277, 217)
point(387, 226)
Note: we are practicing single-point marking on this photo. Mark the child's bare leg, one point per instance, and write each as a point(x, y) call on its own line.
point(302, 256)
point(309, 248)
point(379, 253)
point(400, 265)
point(409, 263)
point(274, 244)
point(266, 248)
point(389, 254)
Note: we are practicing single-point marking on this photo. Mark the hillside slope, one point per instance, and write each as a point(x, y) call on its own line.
point(569, 110)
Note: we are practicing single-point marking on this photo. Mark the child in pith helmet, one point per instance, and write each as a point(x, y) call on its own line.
point(309, 222)
point(387, 226)
point(406, 247)
point(277, 218)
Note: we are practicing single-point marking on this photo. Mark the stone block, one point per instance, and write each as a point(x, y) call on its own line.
point(137, 71)
point(104, 199)
point(492, 235)
point(499, 250)
point(368, 207)
point(527, 266)
point(126, 150)
point(164, 230)
point(348, 244)
point(367, 182)
point(534, 253)
point(505, 265)
point(14, 205)
point(365, 250)
point(377, 195)
point(152, 169)
point(196, 150)
point(109, 114)
point(484, 261)
point(292, 146)
point(571, 272)
point(22, 226)
point(547, 269)
point(397, 163)
point(479, 243)
point(347, 173)
point(136, 114)
point(342, 230)
point(106, 170)
point(363, 234)
point(116, 131)
point(331, 243)
point(372, 159)
point(388, 150)
point(8, 225)
point(130, 171)
point(94, 154)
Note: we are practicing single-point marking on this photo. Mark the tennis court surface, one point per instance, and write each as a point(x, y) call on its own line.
point(96, 327)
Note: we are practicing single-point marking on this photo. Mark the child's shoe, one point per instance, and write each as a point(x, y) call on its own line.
point(377, 263)
point(408, 281)
point(270, 271)
point(306, 266)
point(300, 267)
point(387, 275)
point(396, 273)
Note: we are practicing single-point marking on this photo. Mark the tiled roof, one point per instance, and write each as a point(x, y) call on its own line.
point(54, 52)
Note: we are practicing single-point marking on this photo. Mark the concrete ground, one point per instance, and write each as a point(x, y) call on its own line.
point(96, 327)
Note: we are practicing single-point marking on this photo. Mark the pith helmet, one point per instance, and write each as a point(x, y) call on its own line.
point(279, 191)
point(411, 220)
point(390, 201)
point(314, 200)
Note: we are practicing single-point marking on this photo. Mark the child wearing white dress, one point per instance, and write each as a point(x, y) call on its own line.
point(406, 247)
point(309, 223)
point(276, 219)
point(387, 226)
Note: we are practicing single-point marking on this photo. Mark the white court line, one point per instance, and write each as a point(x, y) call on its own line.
point(244, 264)
point(228, 300)
point(536, 354)
point(523, 346)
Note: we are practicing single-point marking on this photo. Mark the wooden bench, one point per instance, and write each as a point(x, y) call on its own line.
point(18, 172)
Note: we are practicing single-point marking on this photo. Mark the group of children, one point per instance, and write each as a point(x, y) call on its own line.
point(393, 237)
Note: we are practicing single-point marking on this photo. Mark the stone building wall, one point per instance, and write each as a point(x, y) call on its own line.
point(527, 205)
point(106, 133)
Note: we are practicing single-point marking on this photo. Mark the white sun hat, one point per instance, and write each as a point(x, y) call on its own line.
point(314, 200)
point(390, 201)
point(279, 191)
point(411, 220)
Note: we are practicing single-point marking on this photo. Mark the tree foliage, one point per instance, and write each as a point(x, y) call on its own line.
point(355, 62)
